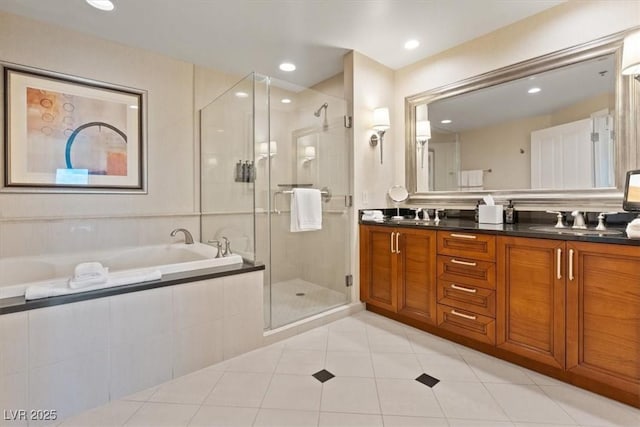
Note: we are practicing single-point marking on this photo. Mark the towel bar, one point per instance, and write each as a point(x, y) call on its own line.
point(325, 193)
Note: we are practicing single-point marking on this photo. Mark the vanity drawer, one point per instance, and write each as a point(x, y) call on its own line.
point(467, 271)
point(467, 245)
point(467, 297)
point(471, 325)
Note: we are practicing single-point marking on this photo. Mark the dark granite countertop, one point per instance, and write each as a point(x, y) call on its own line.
point(519, 230)
point(16, 304)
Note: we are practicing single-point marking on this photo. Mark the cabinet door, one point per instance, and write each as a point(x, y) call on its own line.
point(531, 299)
point(603, 314)
point(417, 278)
point(378, 270)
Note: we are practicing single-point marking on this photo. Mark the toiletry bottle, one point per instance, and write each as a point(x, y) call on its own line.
point(252, 172)
point(510, 214)
point(476, 214)
point(238, 176)
point(245, 171)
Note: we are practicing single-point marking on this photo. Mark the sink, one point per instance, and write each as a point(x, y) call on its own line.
point(409, 221)
point(575, 231)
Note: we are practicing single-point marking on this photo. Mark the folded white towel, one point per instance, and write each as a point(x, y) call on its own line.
point(633, 229)
point(306, 210)
point(115, 279)
point(372, 215)
point(88, 274)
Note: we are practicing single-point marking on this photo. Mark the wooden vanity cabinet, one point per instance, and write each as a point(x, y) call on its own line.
point(531, 298)
point(378, 267)
point(398, 270)
point(603, 316)
point(569, 309)
point(573, 306)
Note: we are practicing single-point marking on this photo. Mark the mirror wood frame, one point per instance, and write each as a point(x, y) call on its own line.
point(627, 150)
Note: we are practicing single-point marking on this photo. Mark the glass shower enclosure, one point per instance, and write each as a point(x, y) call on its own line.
point(260, 140)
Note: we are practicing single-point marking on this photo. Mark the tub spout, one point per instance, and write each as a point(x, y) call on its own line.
point(188, 238)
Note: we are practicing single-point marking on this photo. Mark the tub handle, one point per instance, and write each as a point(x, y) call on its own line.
point(218, 245)
point(226, 251)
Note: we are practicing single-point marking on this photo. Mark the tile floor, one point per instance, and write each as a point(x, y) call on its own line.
point(375, 362)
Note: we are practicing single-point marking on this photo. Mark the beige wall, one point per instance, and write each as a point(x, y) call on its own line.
point(498, 148)
point(44, 223)
point(560, 27)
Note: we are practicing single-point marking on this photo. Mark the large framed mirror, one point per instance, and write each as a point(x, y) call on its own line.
point(557, 130)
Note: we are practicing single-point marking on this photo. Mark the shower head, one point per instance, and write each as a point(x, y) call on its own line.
point(317, 112)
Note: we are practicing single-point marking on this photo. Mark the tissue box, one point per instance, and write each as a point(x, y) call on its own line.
point(490, 214)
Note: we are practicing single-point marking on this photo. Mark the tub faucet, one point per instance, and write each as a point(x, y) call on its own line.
point(188, 238)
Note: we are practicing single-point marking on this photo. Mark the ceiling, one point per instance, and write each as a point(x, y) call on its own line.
point(240, 36)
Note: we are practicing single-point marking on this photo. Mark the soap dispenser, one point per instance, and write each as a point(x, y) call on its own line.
point(510, 214)
point(476, 214)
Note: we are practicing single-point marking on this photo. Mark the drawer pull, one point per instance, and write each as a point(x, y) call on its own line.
point(466, 316)
point(463, 289)
point(455, 261)
point(463, 236)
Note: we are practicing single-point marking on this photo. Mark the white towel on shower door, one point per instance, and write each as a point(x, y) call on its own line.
point(306, 210)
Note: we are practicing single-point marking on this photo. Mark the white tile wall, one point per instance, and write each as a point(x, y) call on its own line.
point(13, 329)
point(77, 356)
point(55, 235)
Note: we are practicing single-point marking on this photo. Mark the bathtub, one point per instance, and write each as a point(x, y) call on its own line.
point(18, 273)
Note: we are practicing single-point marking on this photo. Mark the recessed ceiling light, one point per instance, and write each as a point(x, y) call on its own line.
point(534, 90)
point(286, 101)
point(102, 4)
point(445, 121)
point(287, 66)
point(242, 94)
point(411, 44)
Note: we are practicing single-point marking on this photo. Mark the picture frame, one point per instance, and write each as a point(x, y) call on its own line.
point(69, 134)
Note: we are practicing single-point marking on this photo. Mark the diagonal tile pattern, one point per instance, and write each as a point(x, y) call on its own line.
point(364, 370)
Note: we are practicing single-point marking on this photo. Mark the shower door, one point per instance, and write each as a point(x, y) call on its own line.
point(309, 271)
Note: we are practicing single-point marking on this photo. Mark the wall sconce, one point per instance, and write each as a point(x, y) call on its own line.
point(380, 124)
point(423, 134)
point(263, 151)
point(309, 154)
point(631, 55)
